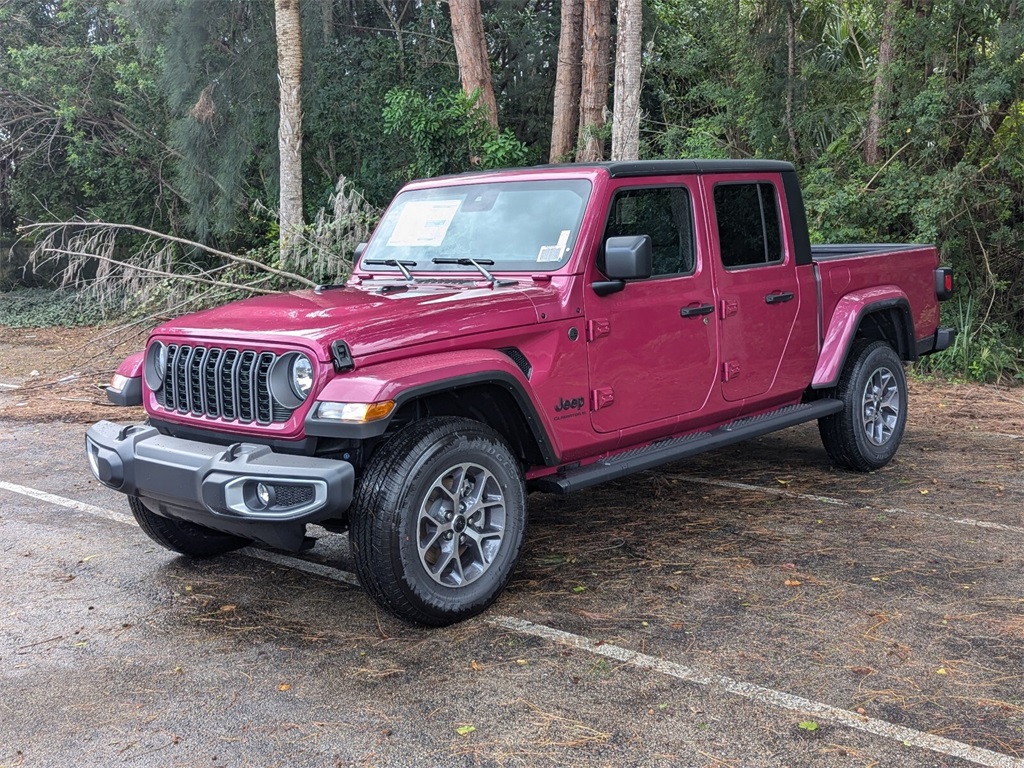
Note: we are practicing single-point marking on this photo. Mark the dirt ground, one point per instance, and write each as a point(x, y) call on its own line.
point(897, 595)
point(58, 374)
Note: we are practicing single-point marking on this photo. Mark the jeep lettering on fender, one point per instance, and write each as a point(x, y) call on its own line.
point(532, 329)
point(575, 404)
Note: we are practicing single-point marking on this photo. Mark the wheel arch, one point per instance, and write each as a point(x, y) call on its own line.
point(492, 398)
point(886, 319)
point(484, 385)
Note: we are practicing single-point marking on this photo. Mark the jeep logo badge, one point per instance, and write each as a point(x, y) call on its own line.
point(569, 405)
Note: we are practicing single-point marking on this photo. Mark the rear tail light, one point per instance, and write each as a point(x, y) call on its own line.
point(944, 283)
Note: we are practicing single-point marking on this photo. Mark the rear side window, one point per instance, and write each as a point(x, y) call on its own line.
point(748, 224)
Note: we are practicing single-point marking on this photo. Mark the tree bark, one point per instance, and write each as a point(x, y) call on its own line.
point(567, 82)
point(791, 13)
point(471, 53)
point(880, 93)
point(628, 81)
point(327, 20)
point(289, 130)
point(594, 85)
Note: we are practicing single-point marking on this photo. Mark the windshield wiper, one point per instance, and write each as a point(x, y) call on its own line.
point(479, 264)
point(401, 265)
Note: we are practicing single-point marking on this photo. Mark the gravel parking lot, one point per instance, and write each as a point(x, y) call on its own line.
point(752, 607)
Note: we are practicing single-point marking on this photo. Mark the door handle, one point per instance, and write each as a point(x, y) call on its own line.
point(778, 298)
point(703, 309)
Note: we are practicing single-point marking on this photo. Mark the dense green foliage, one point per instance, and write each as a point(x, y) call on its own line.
point(42, 308)
point(162, 113)
point(952, 157)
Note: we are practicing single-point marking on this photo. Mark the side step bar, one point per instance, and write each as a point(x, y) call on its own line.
point(676, 448)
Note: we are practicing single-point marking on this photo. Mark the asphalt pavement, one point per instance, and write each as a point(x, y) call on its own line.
point(115, 652)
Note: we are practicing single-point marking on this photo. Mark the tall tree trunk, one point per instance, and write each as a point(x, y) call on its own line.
point(289, 131)
point(880, 93)
point(471, 53)
point(327, 20)
point(567, 81)
point(594, 87)
point(628, 51)
point(791, 14)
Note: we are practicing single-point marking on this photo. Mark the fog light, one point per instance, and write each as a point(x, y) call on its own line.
point(263, 494)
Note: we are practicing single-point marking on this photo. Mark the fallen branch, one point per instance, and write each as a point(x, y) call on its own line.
point(57, 225)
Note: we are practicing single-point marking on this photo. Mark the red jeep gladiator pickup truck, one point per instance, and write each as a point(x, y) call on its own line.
point(546, 329)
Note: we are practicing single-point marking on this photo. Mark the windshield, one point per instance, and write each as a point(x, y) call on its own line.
point(507, 225)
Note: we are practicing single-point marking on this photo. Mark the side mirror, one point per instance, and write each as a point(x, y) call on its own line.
point(625, 258)
point(358, 252)
point(628, 258)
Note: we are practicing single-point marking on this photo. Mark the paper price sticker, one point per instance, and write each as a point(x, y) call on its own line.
point(423, 223)
point(554, 252)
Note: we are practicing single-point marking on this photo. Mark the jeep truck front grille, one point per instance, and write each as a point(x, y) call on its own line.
point(229, 384)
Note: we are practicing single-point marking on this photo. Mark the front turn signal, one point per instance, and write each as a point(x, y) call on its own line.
point(118, 382)
point(355, 413)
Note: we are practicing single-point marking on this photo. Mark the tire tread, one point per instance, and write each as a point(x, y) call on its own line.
point(375, 517)
point(838, 431)
point(181, 536)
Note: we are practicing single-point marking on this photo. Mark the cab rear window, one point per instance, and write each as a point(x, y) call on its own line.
point(749, 233)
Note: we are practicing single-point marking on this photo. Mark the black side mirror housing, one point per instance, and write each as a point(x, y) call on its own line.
point(628, 258)
point(358, 252)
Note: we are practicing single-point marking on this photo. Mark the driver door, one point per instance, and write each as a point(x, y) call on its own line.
point(652, 351)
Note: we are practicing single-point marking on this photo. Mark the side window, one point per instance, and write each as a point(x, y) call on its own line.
point(666, 215)
point(748, 224)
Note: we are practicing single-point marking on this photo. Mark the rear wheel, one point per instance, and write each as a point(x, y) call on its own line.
point(181, 536)
point(438, 521)
point(873, 387)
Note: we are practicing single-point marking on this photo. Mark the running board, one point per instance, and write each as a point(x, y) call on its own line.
point(676, 448)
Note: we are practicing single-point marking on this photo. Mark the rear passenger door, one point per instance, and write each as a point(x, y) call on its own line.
point(652, 346)
point(755, 275)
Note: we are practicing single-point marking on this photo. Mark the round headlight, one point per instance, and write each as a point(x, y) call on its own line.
point(155, 365)
point(302, 376)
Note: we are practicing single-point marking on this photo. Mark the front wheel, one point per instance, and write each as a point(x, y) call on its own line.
point(873, 387)
point(181, 536)
point(438, 521)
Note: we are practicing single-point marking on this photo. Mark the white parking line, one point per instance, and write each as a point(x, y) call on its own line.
point(327, 571)
point(271, 557)
point(769, 696)
point(60, 501)
point(840, 503)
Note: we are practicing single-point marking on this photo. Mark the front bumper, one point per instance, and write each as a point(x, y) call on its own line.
point(217, 487)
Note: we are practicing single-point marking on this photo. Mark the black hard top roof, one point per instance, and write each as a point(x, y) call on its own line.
point(625, 168)
point(636, 168)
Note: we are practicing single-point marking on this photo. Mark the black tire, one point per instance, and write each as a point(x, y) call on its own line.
point(873, 387)
point(404, 511)
point(183, 537)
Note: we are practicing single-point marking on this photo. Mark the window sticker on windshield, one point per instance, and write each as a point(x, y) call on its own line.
point(424, 223)
point(554, 252)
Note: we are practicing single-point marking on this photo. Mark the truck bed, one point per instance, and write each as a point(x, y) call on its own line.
point(880, 272)
point(845, 250)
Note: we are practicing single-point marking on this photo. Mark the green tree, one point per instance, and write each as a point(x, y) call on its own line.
point(215, 68)
point(82, 126)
